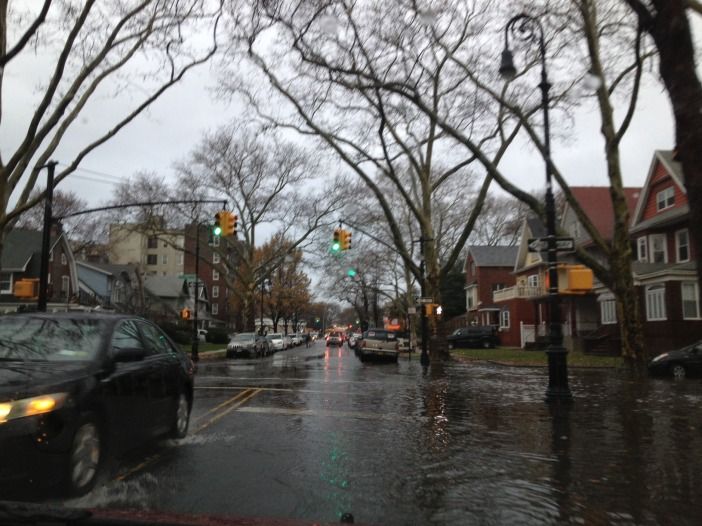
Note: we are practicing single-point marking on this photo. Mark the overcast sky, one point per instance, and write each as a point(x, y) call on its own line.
point(175, 123)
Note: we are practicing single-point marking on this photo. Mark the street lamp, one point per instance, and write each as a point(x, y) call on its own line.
point(527, 28)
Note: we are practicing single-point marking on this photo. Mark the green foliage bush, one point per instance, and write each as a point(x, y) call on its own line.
point(217, 336)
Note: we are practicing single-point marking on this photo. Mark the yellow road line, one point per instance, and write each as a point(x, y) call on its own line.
point(239, 403)
point(233, 402)
point(226, 402)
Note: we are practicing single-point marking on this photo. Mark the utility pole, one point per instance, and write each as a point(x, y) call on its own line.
point(46, 238)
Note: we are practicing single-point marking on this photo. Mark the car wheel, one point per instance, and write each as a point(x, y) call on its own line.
point(181, 419)
point(678, 370)
point(84, 458)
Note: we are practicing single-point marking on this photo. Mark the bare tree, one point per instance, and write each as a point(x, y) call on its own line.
point(333, 84)
point(268, 182)
point(93, 47)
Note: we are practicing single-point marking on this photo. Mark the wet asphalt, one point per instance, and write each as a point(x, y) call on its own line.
point(314, 433)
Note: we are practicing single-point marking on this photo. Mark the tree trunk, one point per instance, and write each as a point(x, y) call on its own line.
point(671, 32)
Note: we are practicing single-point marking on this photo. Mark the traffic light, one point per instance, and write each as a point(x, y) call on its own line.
point(233, 223)
point(336, 242)
point(185, 313)
point(345, 240)
point(26, 288)
point(219, 223)
point(351, 272)
point(433, 309)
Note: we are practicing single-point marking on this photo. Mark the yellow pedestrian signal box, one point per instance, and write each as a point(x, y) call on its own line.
point(27, 288)
point(185, 313)
point(433, 309)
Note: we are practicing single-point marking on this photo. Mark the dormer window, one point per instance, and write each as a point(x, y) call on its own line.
point(665, 198)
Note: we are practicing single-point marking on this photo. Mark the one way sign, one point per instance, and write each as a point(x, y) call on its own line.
point(540, 244)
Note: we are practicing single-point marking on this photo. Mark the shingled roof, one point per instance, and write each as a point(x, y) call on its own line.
point(19, 245)
point(493, 256)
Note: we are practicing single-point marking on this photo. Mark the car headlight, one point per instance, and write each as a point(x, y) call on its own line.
point(36, 405)
point(660, 357)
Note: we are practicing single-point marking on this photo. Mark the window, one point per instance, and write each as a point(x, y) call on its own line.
point(690, 301)
point(642, 246)
point(126, 337)
point(682, 245)
point(48, 278)
point(665, 198)
point(608, 310)
point(659, 250)
point(655, 302)
point(63, 259)
point(6, 283)
point(155, 341)
point(164, 259)
point(215, 309)
point(504, 319)
point(533, 280)
point(215, 291)
point(180, 259)
point(65, 284)
point(215, 275)
point(152, 242)
point(152, 259)
point(215, 258)
point(497, 286)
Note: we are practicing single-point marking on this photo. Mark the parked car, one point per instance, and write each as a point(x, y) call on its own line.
point(353, 339)
point(276, 341)
point(476, 336)
point(679, 363)
point(335, 338)
point(202, 335)
point(74, 384)
point(247, 343)
point(379, 344)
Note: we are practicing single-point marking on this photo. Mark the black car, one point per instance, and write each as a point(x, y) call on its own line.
point(678, 364)
point(73, 385)
point(475, 336)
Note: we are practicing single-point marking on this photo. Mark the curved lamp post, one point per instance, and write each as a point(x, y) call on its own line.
point(527, 28)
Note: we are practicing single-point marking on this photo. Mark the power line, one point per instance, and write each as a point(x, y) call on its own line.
point(86, 178)
point(95, 172)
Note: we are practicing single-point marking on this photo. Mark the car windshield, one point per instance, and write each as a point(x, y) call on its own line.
point(275, 336)
point(44, 339)
point(244, 336)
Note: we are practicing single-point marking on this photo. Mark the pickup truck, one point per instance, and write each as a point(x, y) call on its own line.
point(379, 344)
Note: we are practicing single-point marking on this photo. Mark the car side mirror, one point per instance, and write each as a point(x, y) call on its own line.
point(129, 354)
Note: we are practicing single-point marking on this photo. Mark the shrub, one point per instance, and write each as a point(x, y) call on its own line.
point(217, 336)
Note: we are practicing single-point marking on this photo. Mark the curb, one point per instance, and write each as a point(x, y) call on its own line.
point(526, 365)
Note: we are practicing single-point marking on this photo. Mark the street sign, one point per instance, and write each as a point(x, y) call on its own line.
point(411, 310)
point(425, 301)
point(540, 244)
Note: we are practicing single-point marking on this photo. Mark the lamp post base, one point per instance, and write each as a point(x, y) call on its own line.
point(558, 390)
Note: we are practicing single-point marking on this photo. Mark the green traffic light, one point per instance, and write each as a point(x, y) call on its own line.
point(217, 231)
point(336, 247)
point(351, 272)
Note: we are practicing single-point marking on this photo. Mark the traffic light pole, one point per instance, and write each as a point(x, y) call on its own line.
point(194, 354)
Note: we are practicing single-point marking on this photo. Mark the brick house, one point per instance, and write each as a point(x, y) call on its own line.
point(665, 266)
point(487, 269)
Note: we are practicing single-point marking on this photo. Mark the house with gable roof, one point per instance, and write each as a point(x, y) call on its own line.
point(21, 260)
point(487, 269)
point(665, 267)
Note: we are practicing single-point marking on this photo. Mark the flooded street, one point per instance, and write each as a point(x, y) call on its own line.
point(314, 433)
